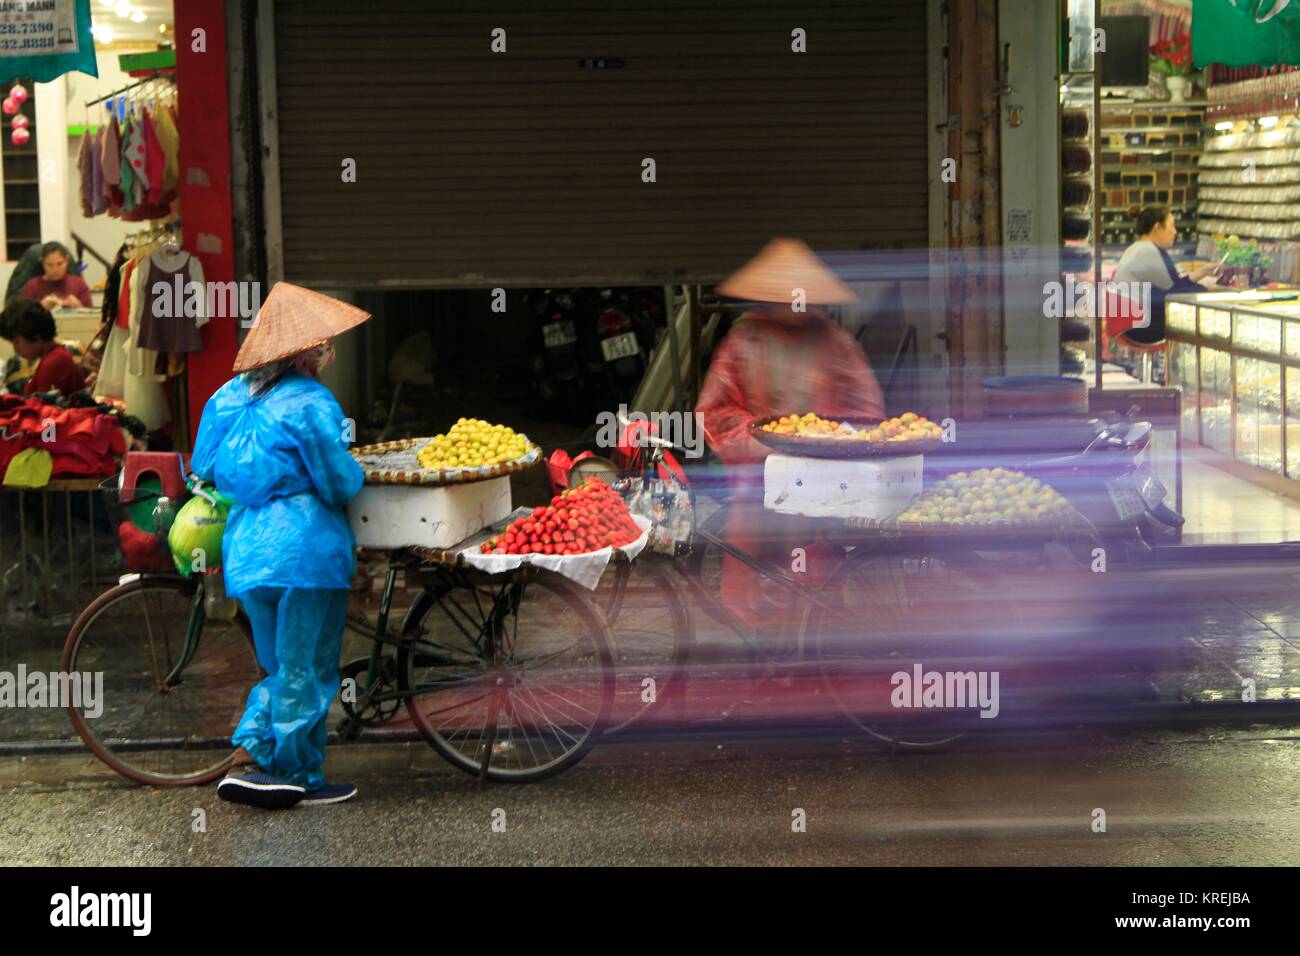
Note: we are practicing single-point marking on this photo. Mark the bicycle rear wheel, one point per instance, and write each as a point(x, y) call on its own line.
point(514, 679)
point(155, 721)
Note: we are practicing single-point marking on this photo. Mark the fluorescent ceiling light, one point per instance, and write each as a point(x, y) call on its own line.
point(1225, 125)
point(1267, 122)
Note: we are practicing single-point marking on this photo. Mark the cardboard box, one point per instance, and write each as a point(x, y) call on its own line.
point(877, 488)
point(427, 516)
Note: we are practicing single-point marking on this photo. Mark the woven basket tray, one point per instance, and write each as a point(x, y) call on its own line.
point(818, 446)
point(395, 463)
point(1029, 534)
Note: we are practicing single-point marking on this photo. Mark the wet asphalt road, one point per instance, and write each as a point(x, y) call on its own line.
point(1171, 797)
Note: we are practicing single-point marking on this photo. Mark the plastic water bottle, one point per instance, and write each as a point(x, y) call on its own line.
point(216, 604)
point(164, 516)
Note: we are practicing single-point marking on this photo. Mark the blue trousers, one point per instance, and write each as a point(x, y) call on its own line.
point(298, 633)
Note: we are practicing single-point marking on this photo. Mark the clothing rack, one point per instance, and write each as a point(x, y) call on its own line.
point(148, 79)
point(144, 237)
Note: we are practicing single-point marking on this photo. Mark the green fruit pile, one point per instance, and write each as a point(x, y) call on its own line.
point(988, 496)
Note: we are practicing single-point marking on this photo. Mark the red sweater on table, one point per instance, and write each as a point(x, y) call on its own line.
point(58, 369)
point(38, 287)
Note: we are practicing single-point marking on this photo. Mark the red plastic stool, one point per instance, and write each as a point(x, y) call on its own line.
point(168, 467)
point(1145, 350)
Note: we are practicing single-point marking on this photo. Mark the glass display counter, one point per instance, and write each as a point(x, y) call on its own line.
point(1236, 358)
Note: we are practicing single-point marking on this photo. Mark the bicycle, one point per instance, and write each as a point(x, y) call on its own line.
point(866, 614)
point(508, 677)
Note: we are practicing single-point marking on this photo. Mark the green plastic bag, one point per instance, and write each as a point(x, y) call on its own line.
point(197, 532)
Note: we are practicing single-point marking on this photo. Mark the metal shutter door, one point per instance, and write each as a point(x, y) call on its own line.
point(523, 168)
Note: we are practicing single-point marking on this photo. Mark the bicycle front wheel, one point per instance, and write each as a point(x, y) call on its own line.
point(511, 679)
point(650, 630)
point(173, 684)
point(875, 615)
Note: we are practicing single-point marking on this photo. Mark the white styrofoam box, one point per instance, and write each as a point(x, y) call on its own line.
point(841, 488)
point(427, 516)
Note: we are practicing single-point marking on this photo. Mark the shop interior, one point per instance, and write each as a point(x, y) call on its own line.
point(50, 194)
point(1220, 147)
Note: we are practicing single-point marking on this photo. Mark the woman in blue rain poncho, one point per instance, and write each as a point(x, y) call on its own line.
point(274, 439)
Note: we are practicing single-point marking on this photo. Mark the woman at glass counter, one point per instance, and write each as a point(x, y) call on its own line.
point(1147, 260)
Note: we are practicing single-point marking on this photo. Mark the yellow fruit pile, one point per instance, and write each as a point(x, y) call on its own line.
point(473, 443)
point(988, 496)
point(803, 425)
point(906, 427)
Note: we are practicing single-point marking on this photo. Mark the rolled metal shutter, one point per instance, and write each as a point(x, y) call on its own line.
point(476, 168)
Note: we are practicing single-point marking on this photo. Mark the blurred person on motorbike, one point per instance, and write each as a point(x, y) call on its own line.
point(782, 357)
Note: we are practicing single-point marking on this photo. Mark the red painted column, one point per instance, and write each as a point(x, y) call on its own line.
point(204, 126)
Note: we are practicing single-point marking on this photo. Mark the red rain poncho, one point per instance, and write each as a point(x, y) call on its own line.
point(765, 367)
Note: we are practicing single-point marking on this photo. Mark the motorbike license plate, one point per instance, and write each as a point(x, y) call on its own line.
point(555, 334)
point(1151, 488)
point(620, 346)
point(1136, 493)
point(1125, 497)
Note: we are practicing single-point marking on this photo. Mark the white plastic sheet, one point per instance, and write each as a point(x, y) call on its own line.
point(583, 569)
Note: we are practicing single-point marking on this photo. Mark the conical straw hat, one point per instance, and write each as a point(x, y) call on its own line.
point(783, 266)
point(292, 320)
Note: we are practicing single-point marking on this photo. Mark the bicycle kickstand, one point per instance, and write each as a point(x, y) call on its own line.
point(493, 711)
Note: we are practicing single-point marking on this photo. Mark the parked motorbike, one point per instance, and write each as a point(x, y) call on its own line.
point(622, 336)
point(557, 367)
point(1101, 465)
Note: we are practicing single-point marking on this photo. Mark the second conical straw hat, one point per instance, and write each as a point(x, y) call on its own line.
point(292, 320)
point(783, 266)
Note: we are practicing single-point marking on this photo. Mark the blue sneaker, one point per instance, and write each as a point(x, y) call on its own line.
point(257, 788)
point(329, 793)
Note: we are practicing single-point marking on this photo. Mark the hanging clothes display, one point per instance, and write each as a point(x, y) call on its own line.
point(129, 170)
point(169, 139)
point(138, 149)
point(99, 204)
point(154, 160)
point(110, 155)
point(86, 175)
point(124, 163)
point(147, 340)
point(171, 277)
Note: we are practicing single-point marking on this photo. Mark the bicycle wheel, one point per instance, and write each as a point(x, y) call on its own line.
point(515, 675)
point(160, 723)
point(879, 613)
point(650, 635)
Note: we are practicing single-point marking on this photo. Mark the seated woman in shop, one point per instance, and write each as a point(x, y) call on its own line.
point(1148, 260)
point(56, 286)
point(30, 328)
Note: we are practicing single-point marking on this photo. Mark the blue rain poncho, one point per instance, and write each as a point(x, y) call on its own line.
point(282, 456)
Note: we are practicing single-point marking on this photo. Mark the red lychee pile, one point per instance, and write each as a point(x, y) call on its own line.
point(583, 519)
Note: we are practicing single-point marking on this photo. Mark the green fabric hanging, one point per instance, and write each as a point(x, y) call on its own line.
point(1245, 32)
